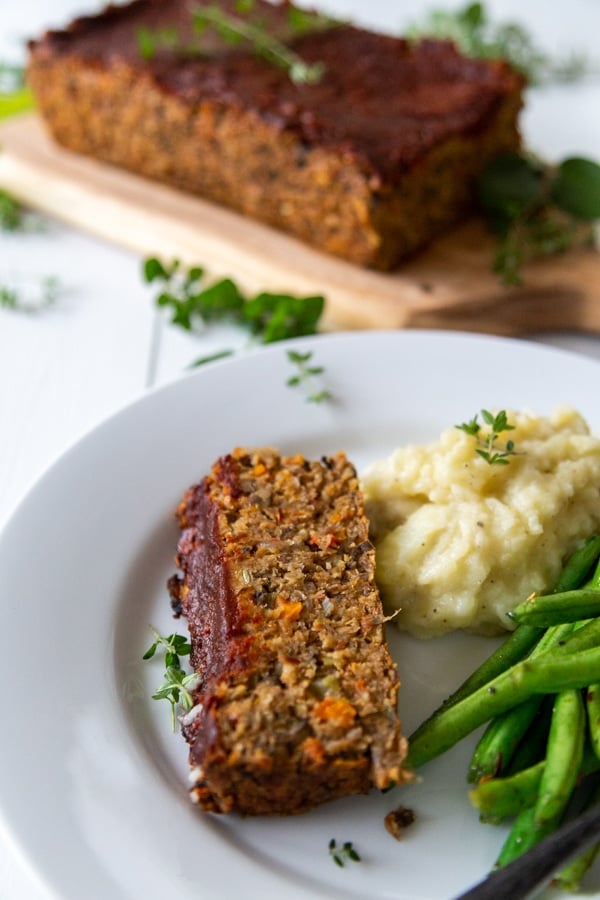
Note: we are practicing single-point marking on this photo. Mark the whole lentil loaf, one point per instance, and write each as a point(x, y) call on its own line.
point(369, 164)
point(297, 700)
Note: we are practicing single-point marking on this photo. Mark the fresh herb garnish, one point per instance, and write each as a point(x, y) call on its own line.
point(488, 449)
point(11, 213)
point(15, 299)
point(340, 855)
point(268, 317)
point(238, 28)
point(234, 29)
point(211, 357)
point(476, 35)
point(177, 684)
point(536, 209)
point(305, 375)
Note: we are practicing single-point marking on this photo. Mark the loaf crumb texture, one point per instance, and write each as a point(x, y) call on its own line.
point(297, 702)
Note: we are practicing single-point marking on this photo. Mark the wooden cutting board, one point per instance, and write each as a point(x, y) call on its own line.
point(450, 285)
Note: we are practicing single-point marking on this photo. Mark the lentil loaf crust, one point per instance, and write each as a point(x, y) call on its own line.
point(368, 164)
point(297, 696)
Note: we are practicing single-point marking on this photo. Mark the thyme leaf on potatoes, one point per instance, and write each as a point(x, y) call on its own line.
point(488, 448)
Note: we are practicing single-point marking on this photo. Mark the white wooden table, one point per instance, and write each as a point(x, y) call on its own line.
point(102, 344)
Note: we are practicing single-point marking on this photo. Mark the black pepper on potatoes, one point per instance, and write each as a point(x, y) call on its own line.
point(297, 701)
point(369, 164)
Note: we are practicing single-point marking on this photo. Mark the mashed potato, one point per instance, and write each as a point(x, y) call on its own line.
point(459, 541)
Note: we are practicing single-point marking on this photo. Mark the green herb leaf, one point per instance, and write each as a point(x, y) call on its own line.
point(305, 375)
point(488, 449)
point(212, 357)
point(472, 30)
point(177, 684)
point(269, 317)
point(576, 188)
point(509, 186)
point(45, 295)
point(11, 213)
point(537, 210)
point(234, 29)
point(340, 855)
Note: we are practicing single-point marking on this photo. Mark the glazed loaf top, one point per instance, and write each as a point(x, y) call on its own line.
point(382, 100)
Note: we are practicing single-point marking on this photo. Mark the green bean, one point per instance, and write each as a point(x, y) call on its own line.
point(569, 878)
point(524, 834)
point(514, 648)
point(594, 581)
point(533, 746)
point(500, 739)
point(502, 798)
point(578, 565)
point(582, 636)
point(521, 641)
point(502, 736)
point(548, 673)
point(563, 757)
point(554, 609)
point(559, 775)
point(592, 702)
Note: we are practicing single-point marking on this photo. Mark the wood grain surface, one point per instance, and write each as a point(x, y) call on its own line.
point(451, 285)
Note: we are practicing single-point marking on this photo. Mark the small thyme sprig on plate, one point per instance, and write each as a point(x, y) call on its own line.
point(536, 209)
point(177, 684)
point(342, 854)
point(305, 375)
point(488, 449)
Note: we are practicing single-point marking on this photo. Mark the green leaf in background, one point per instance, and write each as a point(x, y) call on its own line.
point(576, 188)
point(471, 28)
point(15, 96)
point(509, 186)
point(16, 102)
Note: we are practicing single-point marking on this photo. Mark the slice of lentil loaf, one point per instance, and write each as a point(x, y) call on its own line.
point(297, 697)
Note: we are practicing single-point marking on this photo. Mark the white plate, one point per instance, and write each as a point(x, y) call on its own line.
point(92, 782)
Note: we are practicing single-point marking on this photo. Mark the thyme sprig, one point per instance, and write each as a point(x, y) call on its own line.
point(343, 853)
point(234, 29)
point(239, 28)
point(472, 30)
point(488, 448)
point(305, 376)
point(177, 684)
point(536, 209)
